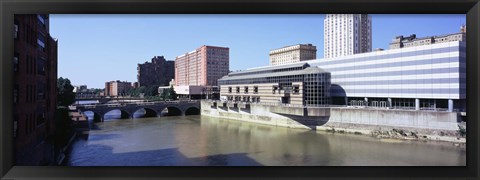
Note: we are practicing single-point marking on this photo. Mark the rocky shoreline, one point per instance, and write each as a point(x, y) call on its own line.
point(456, 137)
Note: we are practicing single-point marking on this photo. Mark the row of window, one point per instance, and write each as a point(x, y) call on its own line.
point(33, 93)
point(245, 89)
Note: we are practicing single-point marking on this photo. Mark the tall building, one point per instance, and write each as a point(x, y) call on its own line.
point(292, 54)
point(159, 72)
point(117, 88)
point(35, 89)
point(202, 67)
point(347, 34)
point(412, 40)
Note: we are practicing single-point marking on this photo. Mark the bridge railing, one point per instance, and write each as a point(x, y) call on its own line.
point(90, 106)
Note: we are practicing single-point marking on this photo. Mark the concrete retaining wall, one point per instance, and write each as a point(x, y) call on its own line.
point(395, 118)
point(348, 117)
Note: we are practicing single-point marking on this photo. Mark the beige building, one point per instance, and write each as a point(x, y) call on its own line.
point(295, 84)
point(293, 54)
point(117, 88)
point(412, 40)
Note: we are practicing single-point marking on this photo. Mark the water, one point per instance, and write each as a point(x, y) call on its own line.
point(201, 140)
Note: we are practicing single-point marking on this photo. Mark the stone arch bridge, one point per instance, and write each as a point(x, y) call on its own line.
point(152, 109)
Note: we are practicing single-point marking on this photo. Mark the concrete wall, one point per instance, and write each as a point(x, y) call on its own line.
point(348, 117)
point(395, 118)
point(256, 114)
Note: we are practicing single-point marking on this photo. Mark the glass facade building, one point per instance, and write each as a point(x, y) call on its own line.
point(429, 77)
point(297, 84)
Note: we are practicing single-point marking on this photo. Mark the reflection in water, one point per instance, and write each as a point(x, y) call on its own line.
point(200, 140)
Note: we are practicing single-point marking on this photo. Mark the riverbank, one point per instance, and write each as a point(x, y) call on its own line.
point(398, 133)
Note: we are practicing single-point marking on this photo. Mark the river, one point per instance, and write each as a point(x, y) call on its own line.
point(206, 141)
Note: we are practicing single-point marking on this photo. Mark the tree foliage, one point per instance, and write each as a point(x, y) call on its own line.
point(65, 94)
point(169, 94)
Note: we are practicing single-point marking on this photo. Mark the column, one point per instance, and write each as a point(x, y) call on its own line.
point(417, 104)
point(450, 105)
point(389, 102)
point(366, 101)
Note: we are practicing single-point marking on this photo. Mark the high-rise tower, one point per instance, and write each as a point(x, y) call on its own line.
point(347, 34)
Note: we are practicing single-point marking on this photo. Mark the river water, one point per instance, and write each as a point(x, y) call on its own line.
point(206, 141)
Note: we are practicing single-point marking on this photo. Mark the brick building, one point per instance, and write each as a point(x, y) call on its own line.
point(158, 72)
point(35, 85)
point(202, 67)
point(117, 88)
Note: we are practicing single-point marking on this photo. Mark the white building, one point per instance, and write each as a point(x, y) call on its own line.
point(347, 34)
point(429, 77)
point(293, 54)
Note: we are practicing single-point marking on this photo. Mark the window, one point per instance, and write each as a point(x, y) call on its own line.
point(229, 89)
point(245, 89)
point(238, 89)
point(41, 19)
point(40, 118)
point(15, 94)
point(15, 32)
point(41, 41)
point(274, 89)
point(41, 66)
point(15, 62)
point(41, 91)
point(296, 89)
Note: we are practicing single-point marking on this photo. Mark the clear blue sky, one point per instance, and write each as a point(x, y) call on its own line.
point(93, 49)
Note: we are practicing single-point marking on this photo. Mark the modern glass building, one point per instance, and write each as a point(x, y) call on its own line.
point(297, 84)
point(422, 77)
point(429, 77)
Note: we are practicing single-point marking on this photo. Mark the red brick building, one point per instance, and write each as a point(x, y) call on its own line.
point(35, 85)
point(202, 67)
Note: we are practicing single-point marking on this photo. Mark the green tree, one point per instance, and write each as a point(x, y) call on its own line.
point(172, 94)
point(65, 94)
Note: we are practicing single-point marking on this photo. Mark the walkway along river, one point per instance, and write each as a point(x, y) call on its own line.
point(207, 141)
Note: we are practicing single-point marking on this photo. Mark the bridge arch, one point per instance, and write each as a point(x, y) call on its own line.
point(97, 117)
point(172, 111)
point(192, 111)
point(123, 114)
point(149, 112)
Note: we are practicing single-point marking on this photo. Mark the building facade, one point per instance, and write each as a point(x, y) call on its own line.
point(429, 77)
point(412, 40)
point(117, 88)
point(35, 89)
point(347, 34)
point(292, 54)
point(202, 67)
point(420, 77)
point(297, 84)
point(158, 72)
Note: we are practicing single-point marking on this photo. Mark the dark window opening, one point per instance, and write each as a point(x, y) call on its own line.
point(41, 66)
point(41, 118)
point(15, 62)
